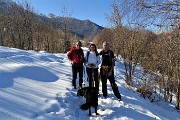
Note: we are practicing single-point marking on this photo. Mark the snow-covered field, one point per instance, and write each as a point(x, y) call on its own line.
point(37, 86)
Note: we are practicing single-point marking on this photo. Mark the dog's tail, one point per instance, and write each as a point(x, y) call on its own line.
point(85, 106)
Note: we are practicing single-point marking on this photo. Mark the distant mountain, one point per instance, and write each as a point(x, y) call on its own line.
point(4, 4)
point(7, 1)
point(81, 28)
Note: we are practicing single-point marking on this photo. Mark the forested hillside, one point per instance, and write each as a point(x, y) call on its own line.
point(23, 28)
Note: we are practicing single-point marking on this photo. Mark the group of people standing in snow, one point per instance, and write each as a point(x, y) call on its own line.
point(92, 61)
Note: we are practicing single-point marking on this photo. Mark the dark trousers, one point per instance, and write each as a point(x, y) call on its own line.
point(93, 77)
point(77, 69)
point(104, 78)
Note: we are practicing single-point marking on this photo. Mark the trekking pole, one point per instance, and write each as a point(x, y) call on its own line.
point(92, 77)
point(83, 84)
point(115, 67)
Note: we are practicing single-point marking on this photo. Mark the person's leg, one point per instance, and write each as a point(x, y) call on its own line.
point(74, 75)
point(80, 70)
point(104, 83)
point(114, 86)
point(96, 79)
point(89, 74)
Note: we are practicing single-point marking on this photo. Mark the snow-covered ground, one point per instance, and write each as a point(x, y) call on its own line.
point(37, 86)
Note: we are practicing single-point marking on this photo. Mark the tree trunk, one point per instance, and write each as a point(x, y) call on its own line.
point(178, 88)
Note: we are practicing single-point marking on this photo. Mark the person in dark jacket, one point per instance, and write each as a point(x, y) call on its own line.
point(107, 70)
point(76, 57)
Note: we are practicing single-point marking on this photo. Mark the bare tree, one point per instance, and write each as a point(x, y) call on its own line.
point(65, 19)
point(128, 40)
point(27, 17)
point(106, 34)
point(165, 15)
point(19, 25)
point(130, 18)
point(161, 13)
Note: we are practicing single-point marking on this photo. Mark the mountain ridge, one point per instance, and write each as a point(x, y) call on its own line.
point(82, 28)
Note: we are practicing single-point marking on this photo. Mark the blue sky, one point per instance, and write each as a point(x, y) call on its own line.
point(94, 10)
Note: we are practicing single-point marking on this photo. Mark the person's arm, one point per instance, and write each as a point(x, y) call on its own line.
point(100, 57)
point(113, 63)
point(85, 59)
point(82, 56)
point(100, 53)
point(69, 56)
point(113, 59)
point(98, 61)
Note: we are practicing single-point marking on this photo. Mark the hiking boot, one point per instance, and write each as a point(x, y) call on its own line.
point(74, 86)
point(119, 99)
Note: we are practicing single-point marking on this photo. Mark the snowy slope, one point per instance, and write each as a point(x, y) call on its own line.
point(37, 86)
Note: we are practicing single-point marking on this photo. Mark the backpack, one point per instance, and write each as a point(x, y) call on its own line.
point(110, 56)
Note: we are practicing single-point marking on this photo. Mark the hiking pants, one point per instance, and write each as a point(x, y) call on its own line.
point(93, 77)
point(112, 82)
point(77, 69)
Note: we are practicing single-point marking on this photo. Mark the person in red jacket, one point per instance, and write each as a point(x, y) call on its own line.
point(76, 57)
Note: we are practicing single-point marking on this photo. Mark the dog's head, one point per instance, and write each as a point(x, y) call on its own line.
point(80, 92)
point(87, 91)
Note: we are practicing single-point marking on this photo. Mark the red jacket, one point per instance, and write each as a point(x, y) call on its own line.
point(76, 55)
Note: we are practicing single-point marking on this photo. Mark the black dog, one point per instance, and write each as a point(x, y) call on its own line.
point(91, 95)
